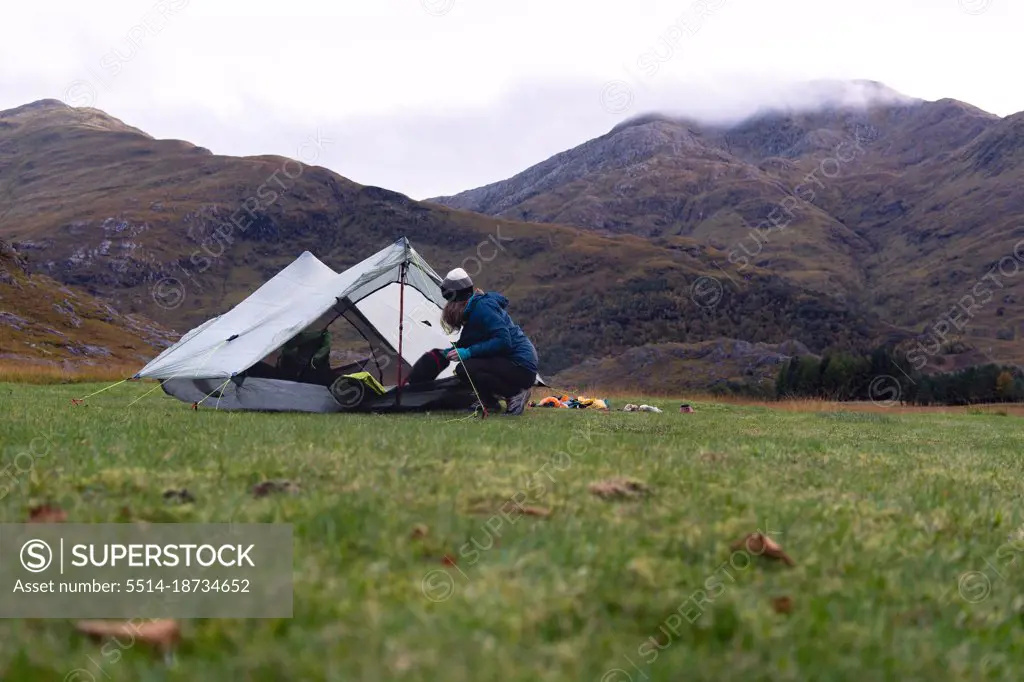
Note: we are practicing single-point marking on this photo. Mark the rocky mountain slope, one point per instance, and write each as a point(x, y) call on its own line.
point(43, 320)
point(170, 231)
point(904, 208)
point(677, 368)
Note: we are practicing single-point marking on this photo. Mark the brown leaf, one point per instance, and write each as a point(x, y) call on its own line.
point(536, 511)
point(271, 487)
point(419, 531)
point(162, 634)
point(759, 544)
point(619, 488)
point(47, 514)
point(782, 605)
point(510, 507)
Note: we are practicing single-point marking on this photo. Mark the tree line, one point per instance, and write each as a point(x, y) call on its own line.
point(886, 376)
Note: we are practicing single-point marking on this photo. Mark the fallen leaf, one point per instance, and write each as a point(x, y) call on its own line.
point(270, 487)
point(782, 605)
point(759, 544)
point(618, 488)
point(162, 634)
point(47, 514)
point(182, 496)
point(510, 507)
point(419, 531)
point(535, 511)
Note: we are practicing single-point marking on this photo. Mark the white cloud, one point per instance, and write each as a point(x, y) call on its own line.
point(429, 105)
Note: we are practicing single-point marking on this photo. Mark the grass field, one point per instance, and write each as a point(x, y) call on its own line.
point(904, 528)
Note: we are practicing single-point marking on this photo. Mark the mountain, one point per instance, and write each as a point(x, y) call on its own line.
point(168, 230)
point(42, 320)
point(900, 207)
point(678, 368)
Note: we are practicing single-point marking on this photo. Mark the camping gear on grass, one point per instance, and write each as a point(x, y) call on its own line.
point(640, 408)
point(392, 299)
point(579, 402)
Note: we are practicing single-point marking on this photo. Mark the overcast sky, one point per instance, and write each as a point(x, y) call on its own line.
point(431, 97)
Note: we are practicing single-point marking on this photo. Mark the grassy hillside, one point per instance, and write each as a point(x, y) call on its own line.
point(46, 324)
point(170, 231)
point(903, 526)
point(668, 368)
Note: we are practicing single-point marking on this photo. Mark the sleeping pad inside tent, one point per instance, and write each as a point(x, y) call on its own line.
point(272, 351)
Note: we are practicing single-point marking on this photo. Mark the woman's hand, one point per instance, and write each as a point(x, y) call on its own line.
point(457, 354)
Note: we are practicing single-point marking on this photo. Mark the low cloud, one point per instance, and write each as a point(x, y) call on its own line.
point(436, 153)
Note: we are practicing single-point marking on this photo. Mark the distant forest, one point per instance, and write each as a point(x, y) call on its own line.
point(887, 377)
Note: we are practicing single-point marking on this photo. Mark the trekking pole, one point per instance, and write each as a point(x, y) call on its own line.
point(472, 385)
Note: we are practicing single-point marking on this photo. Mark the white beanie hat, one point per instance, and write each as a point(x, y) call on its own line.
point(455, 283)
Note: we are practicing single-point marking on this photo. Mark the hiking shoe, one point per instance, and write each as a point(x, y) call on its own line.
point(517, 403)
point(491, 408)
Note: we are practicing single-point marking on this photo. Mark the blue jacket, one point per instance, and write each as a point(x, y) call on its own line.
point(488, 331)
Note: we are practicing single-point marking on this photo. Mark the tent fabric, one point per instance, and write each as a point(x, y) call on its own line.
point(259, 325)
point(253, 393)
point(421, 331)
point(440, 394)
point(368, 296)
point(291, 301)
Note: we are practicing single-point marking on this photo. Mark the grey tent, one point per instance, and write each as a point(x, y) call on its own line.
point(393, 299)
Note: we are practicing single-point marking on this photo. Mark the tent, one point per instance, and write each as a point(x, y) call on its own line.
point(393, 299)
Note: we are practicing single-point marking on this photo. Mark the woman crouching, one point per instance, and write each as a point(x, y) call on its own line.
point(499, 359)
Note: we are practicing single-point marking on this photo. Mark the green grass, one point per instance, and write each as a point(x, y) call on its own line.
point(883, 514)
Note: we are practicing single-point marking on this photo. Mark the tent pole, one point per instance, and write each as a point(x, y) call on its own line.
point(401, 330)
